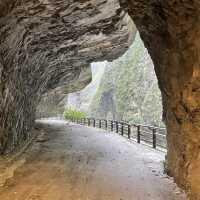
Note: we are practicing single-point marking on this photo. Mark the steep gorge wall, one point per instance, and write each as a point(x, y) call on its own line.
point(129, 89)
point(44, 45)
point(81, 100)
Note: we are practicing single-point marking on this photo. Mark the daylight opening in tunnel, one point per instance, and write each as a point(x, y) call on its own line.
point(123, 90)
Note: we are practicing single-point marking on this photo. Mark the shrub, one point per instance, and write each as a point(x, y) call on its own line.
point(71, 113)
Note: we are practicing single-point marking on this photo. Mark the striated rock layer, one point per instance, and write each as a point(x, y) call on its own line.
point(171, 32)
point(46, 44)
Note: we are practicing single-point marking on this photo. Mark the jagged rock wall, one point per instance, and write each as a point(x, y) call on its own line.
point(43, 46)
point(171, 32)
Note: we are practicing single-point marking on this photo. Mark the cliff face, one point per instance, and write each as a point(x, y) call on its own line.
point(44, 45)
point(81, 100)
point(171, 32)
point(129, 90)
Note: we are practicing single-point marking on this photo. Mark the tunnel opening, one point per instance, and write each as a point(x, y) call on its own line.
point(123, 90)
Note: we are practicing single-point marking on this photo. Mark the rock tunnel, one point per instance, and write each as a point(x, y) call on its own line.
point(46, 45)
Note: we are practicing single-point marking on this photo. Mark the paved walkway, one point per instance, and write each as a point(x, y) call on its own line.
point(73, 162)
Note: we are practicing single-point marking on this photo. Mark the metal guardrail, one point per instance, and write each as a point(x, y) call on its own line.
point(150, 135)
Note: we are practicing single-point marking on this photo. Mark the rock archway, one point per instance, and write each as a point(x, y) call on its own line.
point(44, 44)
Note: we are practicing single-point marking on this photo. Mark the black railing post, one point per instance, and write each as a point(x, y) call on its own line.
point(129, 131)
point(138, 134)
point(117, 127)
point(154, 138)
point(106, 124)
point(94, 122)
point(99, 123)
point(111, 125)
point(122, 128)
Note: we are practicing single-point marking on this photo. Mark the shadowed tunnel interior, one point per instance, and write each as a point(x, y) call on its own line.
point(46, 45)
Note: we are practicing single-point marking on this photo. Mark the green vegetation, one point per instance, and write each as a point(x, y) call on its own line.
point(71, 113)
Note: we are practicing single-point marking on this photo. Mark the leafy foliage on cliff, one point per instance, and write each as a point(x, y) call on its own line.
point(129, 90)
